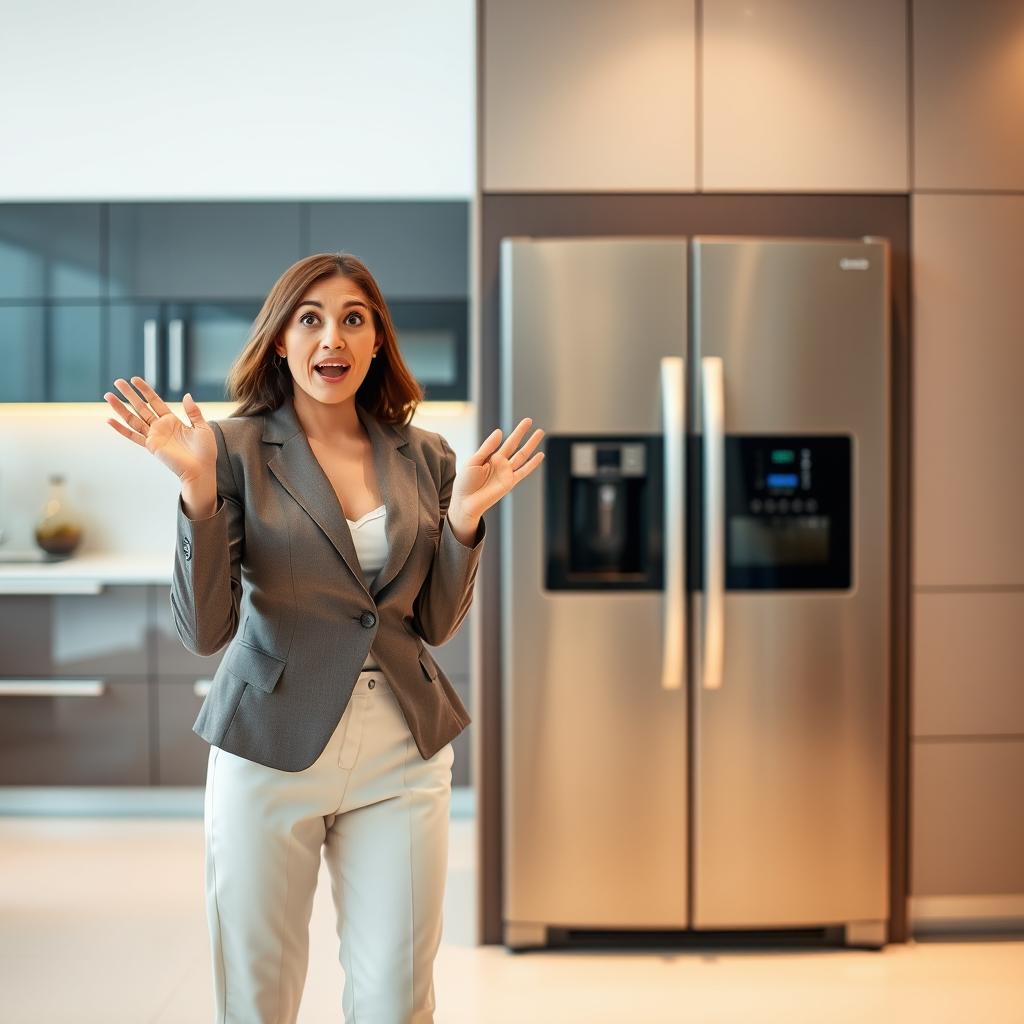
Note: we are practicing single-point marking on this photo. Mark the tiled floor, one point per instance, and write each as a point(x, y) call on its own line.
point(102, 920)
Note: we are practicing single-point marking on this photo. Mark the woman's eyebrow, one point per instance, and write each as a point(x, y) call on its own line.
point(351, 302)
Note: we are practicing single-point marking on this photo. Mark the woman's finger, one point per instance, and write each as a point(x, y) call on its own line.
point(160, 407)
point(129, 392)
point(126, 414)
point(132, 435)
point(524, 453)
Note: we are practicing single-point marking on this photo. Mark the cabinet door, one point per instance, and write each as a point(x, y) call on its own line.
point(181, 754)
point(82, 733)
point(59, 635)
point(23, 353)
point(201, 340)
point(433, 339)
point(136, 341)
point(415, 250)
point(50, 251)
point(194, 251)
point(51, 352)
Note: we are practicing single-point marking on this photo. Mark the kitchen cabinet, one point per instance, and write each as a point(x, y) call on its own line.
point(96, 689)
point(51, 352)
point(194, 251)
point(178, 347)
point(169, 291)
point(967, 831)
point(74, 699)
point(50, 251)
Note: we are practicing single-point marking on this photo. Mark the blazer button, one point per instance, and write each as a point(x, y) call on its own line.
point(186, 546)
point(368, 619)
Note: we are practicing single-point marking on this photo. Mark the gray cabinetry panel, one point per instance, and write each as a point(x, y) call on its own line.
point(181, 755)
point(414, 250)
point(966, 823)
point(100, 740)
point(50, 251)
point(61, 635)
point(51, 353)
point(200, 250)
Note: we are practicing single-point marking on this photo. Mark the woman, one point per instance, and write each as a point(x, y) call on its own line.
point(323, 538)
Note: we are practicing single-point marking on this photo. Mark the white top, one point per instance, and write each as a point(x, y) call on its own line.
point(372, 548)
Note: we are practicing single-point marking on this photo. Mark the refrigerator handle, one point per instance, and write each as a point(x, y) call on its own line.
point(673, 412)
point(713, 402)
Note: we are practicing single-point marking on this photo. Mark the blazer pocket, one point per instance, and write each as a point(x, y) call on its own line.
point(253, 666)
point(428, 664)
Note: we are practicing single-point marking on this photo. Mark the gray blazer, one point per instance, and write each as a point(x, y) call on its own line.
point(274, 574)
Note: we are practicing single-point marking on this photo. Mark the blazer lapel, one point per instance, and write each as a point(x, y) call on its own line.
point(302, 476)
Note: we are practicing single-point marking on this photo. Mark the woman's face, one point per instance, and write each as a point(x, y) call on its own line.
point(333, 323)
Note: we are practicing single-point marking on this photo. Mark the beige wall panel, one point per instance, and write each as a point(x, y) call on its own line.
point(967, 830)
point(968, 94)
point(968, 389)
point(804, 96)
point(968, 674)
point(588, 96)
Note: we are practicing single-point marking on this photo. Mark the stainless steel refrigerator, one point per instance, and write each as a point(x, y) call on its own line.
point(695, 586)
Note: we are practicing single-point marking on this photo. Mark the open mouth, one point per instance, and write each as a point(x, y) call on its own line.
point(332, 373)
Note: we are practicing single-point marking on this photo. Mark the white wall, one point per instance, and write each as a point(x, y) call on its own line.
point(132, 99)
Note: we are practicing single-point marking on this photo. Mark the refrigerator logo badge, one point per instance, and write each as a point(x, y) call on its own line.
point(851, 263)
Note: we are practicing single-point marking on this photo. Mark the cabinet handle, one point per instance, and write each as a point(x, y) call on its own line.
point(52, 687)
point(149, 340)
point(176, 355)
point(53, 585)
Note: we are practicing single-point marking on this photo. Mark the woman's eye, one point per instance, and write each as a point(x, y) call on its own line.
point(358, 316)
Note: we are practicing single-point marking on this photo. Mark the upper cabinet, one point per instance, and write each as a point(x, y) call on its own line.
point(804, 96)
point(585, 97)
point(968, 95)
point(50, 251)
point(195, 251)
point(170, 291)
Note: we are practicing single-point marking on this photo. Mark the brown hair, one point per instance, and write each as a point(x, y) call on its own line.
point(260, 383)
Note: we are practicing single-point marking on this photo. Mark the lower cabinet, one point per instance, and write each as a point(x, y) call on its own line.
point(98, 690)
point(967, 829)
point(181, 755)
point(74, 732)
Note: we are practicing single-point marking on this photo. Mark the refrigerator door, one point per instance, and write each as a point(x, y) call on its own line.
point(790, 730)
point(595, 748)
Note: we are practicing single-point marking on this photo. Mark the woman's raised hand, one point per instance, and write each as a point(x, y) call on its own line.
point(189, 452)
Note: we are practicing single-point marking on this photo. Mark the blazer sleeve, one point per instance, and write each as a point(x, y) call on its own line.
point(447, 593)
point(206, 586)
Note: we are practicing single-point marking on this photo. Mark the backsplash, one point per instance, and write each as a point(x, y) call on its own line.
point(125, 499)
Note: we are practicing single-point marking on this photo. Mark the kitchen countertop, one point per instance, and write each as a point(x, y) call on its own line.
point(84, 574)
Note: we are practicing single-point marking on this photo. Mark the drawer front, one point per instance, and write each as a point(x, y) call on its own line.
point(966, 665)
point(967, 830)
point(61, 635)
point(95, 733)
point(181, 755)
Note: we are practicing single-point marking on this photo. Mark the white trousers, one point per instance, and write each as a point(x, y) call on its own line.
point(379, 812)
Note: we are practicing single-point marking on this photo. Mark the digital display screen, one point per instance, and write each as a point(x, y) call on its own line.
point(782, 479)
point(783, 455)
point(790, 540)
